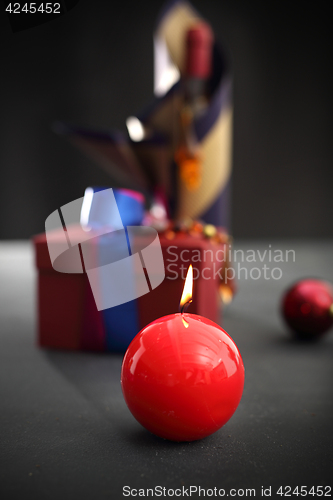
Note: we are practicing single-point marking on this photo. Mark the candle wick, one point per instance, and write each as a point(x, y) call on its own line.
point(184, 306)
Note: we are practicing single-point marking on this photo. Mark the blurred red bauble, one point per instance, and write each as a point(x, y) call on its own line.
point(307, 308)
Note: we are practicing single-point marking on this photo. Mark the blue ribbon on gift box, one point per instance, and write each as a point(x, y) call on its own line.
point(121, 323)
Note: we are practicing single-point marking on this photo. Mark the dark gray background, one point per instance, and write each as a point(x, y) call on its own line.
point(66, 433)
point(94, 66)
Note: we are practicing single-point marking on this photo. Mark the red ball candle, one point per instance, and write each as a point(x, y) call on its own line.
point(182, 376)
point(307, 308)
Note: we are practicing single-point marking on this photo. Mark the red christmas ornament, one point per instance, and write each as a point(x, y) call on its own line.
point(182, 377)
point(307, 308)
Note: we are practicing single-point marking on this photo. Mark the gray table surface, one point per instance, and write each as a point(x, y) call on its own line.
point(66, 431)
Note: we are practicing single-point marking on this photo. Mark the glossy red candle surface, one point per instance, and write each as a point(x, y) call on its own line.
point(307, 308)
point(182, 383)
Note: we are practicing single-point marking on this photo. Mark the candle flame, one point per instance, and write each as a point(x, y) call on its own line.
point(226, 293)
point(188, 287)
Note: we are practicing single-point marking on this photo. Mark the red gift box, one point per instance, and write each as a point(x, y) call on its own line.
point(67, 314)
